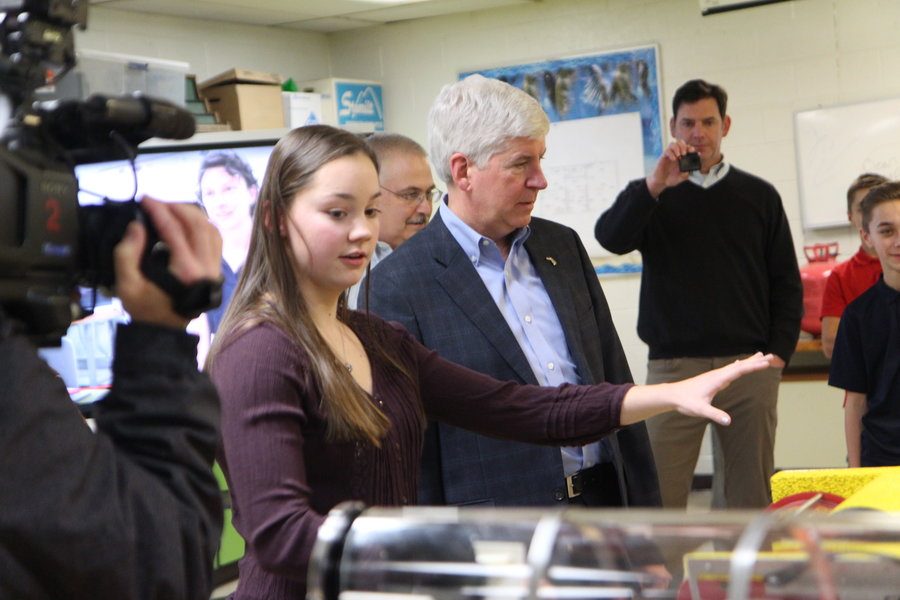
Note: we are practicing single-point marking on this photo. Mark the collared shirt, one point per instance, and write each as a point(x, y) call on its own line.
point(866, 360)
point(519, 293)
point(382, 249)
point(848, 280)
point(716, 173)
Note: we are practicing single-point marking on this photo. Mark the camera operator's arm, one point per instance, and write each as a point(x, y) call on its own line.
point(162, 415)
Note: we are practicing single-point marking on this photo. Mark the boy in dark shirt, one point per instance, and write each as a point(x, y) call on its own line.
point(866, 360)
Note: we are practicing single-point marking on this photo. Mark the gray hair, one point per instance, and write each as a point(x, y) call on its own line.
point(477, 117)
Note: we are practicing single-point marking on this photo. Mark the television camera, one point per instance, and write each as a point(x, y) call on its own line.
point(49, 245)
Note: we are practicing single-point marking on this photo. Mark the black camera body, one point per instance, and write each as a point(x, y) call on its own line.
point(38, 241)
point(49, 245)
point(689, 162)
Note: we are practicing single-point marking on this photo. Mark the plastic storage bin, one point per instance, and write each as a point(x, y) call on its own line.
point(301, 108)
point(118, 74)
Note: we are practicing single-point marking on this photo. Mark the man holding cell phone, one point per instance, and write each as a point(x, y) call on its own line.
point(719, 281)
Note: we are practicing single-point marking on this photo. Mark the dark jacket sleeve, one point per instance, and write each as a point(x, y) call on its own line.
point(785, 288)
point(621, 228)
point(387, 304)
point(615, 364)
point(132, 511)
point(639, 466)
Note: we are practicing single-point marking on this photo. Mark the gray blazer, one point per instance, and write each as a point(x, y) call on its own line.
point(431, 287)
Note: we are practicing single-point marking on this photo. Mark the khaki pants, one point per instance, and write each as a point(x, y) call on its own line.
point(743, 452)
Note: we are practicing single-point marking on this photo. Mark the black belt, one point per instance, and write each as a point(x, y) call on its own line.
point(594, 486)
point(591, 477)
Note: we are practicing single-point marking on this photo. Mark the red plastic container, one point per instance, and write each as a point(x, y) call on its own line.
point(822, 259)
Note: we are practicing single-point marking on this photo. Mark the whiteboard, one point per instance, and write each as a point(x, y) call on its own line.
point(834, 146)
point(587, 163)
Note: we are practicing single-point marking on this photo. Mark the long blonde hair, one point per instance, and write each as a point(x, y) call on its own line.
point(268, 290)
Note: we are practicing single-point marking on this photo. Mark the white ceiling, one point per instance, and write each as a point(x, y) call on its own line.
point(311, 15)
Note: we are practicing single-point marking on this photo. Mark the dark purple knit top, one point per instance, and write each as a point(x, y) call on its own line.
point(284, 476)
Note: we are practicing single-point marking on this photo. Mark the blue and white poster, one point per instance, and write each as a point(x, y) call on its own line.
point(596, 85)
point(605, 130)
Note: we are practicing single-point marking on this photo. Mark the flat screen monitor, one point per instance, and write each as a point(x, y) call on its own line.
point(170, 173)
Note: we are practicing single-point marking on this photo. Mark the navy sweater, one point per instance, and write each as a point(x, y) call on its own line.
point(720, 275)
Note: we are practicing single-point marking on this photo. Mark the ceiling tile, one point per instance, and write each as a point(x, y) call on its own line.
point(433, 8)
point(215, 10)
point(330, 24)
point(312, 15)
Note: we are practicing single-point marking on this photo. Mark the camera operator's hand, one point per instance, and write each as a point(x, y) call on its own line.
point(196, 254)
point(666, 173)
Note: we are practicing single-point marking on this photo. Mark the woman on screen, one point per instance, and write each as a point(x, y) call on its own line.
point(321, 404)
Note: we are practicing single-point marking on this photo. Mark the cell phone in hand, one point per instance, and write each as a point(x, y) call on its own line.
point(689, 162)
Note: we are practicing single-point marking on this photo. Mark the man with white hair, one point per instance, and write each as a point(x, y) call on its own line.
point(489, 287)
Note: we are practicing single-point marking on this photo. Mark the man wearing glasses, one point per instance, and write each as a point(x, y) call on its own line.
point(407, 189)
point(407, 195)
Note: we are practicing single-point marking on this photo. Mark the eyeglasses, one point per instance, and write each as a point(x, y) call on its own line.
point(415, 196)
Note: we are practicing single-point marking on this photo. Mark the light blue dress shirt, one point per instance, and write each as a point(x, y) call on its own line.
point(523, 301)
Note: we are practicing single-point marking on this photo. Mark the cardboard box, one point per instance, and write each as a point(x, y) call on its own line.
point(301, 108)
point(245, 99)
point(353, 104)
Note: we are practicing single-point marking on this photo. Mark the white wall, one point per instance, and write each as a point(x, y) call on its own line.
point(773, 60)
point(210, 47)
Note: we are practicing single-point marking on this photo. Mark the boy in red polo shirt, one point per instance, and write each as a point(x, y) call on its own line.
point(854, 276)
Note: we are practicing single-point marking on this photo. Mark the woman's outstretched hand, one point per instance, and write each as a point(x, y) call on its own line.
point(692, 397)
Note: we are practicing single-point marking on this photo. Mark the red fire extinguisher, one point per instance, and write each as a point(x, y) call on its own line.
point(821, 260)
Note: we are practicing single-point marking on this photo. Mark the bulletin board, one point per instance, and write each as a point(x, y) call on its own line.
point(834, 145)
point(606, 129)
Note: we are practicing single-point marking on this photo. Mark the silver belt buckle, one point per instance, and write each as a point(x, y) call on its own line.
point(570, 485)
